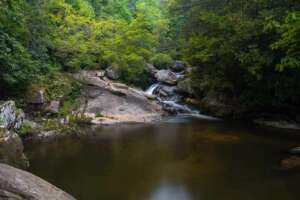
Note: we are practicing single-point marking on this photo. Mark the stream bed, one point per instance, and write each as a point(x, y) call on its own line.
point(181, 158)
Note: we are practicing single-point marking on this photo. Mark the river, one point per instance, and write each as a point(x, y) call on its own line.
point(178, 159)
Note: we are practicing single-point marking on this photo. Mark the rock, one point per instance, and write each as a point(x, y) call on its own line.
point(166, 76)
point(89, 78)
point(150, 96)
point(91, 91)
point(36, 97)
point(169, 90)
point(117, 101)
point(290, 163)
point(162, 93)
point(53, 107)
point(100, 74)
point(113, 73)
point(11, 149)
point(277, 124)
point(10, 116)
point(185, 86)
point(151, 69)
point(219, 106)
point(178, 66)
point(295, 151)
point(17, 184)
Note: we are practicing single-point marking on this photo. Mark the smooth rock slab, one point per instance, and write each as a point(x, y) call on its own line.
point(17, 184)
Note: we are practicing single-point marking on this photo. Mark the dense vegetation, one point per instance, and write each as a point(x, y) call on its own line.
point(247, 51)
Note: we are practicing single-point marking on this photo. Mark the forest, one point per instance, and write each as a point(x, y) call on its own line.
point(245, 52)
point(149, 99)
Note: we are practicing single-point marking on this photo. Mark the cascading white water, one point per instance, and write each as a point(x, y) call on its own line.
point(152, 89)
point(180, 107)
point(172, 101)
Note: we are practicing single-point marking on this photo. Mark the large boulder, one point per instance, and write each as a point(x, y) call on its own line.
point(16, 184)
point(116, 102)
point(113, 73)
point(11, 149)
point(185, 86)
point(166, 76)
point(10, 116)
point(178, 66)
point(221, 106)
point(36, 97)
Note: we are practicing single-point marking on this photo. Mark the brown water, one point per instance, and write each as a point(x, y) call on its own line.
point(181, 159)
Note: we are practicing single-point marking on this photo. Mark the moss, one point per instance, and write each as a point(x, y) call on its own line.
point(99, 115)
point(26, 129)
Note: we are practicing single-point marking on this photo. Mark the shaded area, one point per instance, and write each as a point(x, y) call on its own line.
point(190, 160)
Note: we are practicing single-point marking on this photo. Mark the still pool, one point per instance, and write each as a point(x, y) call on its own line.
point(178, 159)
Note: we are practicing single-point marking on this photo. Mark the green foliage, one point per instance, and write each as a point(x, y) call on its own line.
point(161, 60)
point(248, 51)
point(99, 115)
point(26, 129)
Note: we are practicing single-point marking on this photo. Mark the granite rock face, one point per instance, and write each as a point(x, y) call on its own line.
point(16, 184)
point(10, 116)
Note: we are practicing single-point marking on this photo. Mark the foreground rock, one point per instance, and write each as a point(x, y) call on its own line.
point(16, 184)
point(109, 102)
point(11, 149)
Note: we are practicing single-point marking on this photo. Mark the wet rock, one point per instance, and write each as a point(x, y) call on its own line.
point(11, 149)
point(162, 93)
point(166, 76)
point(169, 90)
point(178, 66)
point(277, 124)
point(18, 184)
point(10, 116)
point(36, 97)
point(185, 86)
point(53, 107)
point(295, 151)
point(214, 105)
point(290, 163)
point(113, 73)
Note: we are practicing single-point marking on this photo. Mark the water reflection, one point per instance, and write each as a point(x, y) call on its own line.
point(186, 160)
point(170, 191)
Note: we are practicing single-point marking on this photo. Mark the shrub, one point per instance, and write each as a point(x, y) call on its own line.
point(26, 129)
point(161, 60)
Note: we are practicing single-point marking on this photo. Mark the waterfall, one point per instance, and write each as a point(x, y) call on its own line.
point(152, 89)
point(180, 107)
point(171, 100)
